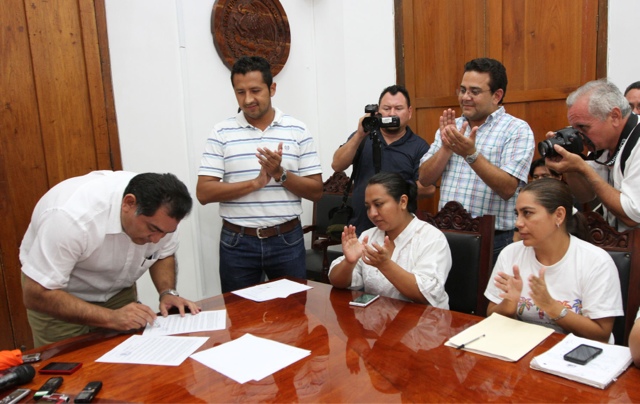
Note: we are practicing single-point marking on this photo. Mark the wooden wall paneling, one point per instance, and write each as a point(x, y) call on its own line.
point(61, 83)
point(23, 173)
point(544, 117)
point(446, 35)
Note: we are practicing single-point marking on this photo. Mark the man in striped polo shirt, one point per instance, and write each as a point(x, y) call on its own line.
point(258, 165)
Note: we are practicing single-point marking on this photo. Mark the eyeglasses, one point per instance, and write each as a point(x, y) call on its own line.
point(473, 92)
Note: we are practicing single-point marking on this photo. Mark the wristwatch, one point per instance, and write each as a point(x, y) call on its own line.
point(283, 177)
point(472, 157)
point(172, 292)
point(562, 314)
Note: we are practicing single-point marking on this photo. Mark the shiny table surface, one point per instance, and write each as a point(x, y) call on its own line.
point(390, 351)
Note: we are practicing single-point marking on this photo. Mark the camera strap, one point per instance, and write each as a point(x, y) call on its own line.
point(630, 135)
point(377, 151)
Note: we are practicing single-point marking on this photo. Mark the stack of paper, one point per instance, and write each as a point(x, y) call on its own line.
point(271, 290)
point(599, 372)
point(500, 337)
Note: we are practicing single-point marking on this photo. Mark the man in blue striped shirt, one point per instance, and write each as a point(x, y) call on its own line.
point(258, 165)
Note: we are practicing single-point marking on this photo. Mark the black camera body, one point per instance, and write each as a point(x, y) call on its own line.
point(568, 138)
point(376, 120)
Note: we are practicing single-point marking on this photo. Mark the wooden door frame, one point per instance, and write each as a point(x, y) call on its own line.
point(107, 82)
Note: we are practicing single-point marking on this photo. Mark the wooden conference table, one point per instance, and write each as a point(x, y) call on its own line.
point(390, 351)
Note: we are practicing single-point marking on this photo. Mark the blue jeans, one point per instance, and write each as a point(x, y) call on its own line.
point(501, 239)
point(245, 259)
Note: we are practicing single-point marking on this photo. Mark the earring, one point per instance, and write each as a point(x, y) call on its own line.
point(558, 225)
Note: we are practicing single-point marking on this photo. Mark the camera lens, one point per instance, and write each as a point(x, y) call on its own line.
point(546, 148)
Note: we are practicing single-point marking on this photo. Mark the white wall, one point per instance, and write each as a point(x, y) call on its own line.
point(623, 64)
point(171, 87)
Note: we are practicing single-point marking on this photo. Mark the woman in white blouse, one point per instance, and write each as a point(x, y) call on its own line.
point(402, 257)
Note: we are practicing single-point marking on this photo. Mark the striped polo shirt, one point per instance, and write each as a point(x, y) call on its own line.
point(230, 154)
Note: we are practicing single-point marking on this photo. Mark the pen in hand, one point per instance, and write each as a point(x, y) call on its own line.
point(155, 323)
point(467, 343)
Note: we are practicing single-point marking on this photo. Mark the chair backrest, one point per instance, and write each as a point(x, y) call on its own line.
point(471, 244)
point(333, 191)
point(621, 247)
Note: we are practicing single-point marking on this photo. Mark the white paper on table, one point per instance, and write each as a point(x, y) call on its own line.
point(161, 350)
point(271, 290)
point(250, 358)
point(174, 324)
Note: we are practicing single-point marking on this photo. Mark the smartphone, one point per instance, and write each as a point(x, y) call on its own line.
point(15, 396)
point(582, 354)
point(48, 387)
point(88, 392)
point(363, 300)
point(61, 368)
point(30, 358)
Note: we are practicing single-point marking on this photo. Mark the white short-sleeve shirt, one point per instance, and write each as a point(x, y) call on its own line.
point(420, 249)
point(75, 241)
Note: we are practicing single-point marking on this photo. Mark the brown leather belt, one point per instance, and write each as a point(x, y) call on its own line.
point(262, 232)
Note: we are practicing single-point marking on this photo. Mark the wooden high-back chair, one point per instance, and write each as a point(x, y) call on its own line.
point(319, 256)
point(624, 248)
point(471, 244)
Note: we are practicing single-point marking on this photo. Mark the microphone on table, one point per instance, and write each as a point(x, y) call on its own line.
point(16, 376)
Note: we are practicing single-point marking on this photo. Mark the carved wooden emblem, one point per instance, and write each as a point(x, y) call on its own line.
point(251, 28)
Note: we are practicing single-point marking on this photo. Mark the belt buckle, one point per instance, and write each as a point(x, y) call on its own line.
point(258, 233)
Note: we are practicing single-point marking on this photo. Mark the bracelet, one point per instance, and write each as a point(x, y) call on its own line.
point(562, 314)
point(172, 292)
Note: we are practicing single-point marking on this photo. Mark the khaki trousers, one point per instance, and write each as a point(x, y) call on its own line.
point(47, 329)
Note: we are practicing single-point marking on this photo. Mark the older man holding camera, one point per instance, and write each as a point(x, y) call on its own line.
point(382, 144)
point(602, 115)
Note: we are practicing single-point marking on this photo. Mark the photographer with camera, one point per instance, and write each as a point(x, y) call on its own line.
point(484, 155)
point(602, 116)
point(383, 142)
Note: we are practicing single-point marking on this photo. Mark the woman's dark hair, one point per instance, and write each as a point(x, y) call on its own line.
point(397, 186)
point(153, 191)
point(551, 194)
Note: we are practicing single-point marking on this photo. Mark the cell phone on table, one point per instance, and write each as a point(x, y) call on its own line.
point(15, 396)
point(363, 300)
point(60, 368)
point(88, 392)
point(30, 358)
point(50, 386)
point(582, 354)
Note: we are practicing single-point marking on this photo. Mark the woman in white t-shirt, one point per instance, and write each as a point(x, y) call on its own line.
point(402, 257)
point(551, 277)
